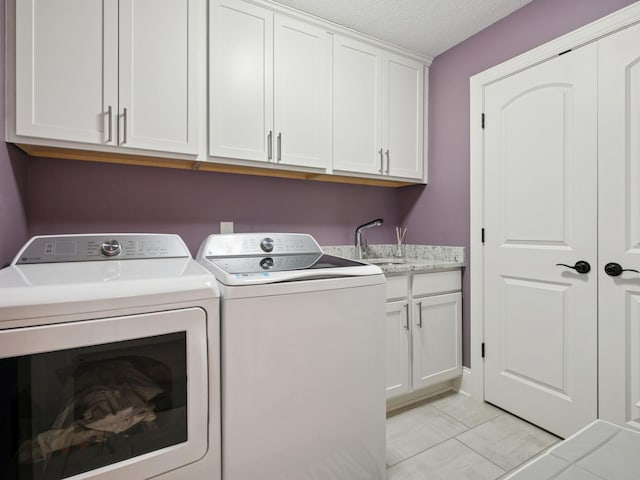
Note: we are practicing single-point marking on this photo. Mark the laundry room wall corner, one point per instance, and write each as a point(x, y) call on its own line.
point(13, 176)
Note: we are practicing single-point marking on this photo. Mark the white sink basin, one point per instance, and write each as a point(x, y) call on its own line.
point(385, 261)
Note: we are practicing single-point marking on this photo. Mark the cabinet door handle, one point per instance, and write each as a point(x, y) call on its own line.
point(279, 146)
point(110, 115)
point(270, 146)
point(406, 316)
point(388, 160)
point(420, 314)
point(124, 126)
point(381, 160)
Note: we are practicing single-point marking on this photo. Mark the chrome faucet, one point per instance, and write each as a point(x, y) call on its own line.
point(373, 223)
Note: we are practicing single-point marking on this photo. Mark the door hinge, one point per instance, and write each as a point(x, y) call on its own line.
point(566, 51)
point(482, 121)
point(482, 236)
point(482, 349)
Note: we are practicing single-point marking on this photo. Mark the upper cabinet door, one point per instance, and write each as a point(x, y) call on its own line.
point(161, 74)
point(301, 94)
point(241, 81)
point(403, 115)
point(66, 69)
point(357, 100)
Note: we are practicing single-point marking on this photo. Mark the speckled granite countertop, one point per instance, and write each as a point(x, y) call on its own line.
point(416, 258)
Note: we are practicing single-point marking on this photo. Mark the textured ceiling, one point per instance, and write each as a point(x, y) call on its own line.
point(428, 27)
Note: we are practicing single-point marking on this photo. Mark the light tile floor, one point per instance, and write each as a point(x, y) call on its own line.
point(455, 438)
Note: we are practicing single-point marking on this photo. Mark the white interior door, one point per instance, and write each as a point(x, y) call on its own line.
point(619, 233)
point(301, 93)
point(541, 210)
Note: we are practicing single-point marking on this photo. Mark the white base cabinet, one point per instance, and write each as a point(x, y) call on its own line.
point(424, 338)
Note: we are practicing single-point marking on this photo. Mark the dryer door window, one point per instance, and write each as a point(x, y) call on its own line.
point(118, 401)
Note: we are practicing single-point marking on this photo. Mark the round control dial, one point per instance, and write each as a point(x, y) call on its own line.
point(110, 248)
point(266, 263)
point(266, 244)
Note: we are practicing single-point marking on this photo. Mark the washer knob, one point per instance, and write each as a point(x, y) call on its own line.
point(266, 244)
point(110, 248)
point(266, 263)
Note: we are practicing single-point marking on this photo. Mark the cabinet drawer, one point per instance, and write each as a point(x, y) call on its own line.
point(397, 287)
point(438, 282)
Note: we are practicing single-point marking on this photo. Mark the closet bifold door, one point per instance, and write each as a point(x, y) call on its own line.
point(540, 208)
point(619, 226)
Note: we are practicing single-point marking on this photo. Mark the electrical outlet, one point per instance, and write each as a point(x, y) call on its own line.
point(226, 227)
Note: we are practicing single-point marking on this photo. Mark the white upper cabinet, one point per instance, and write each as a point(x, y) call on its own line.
point(378, 106)
point(357, 107)
point(109, 72)
point(66, 63)
point(160, 74)
point(269, 87)
point(301, 93)
point(286, 92)
point(240, 81)
point(403, 117)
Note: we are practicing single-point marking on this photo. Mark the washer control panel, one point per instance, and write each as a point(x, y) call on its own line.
point(249, 244)
point(85, 248)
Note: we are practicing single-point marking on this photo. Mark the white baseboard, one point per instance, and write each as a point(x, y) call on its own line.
point(420, 395)
point(463, 384)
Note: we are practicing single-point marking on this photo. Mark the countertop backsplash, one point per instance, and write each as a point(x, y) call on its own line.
point(415, 258)
point(418, 252)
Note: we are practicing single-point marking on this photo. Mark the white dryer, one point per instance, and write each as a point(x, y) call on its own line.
point(303, 359)
point(109, 359)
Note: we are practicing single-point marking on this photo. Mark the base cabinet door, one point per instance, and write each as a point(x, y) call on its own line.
point(397, 341)
point(437, 340)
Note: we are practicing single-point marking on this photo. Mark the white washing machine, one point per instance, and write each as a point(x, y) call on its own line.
point(109, 360)
point(303, 366)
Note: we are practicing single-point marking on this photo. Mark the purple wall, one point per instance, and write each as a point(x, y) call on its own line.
point(13, 174)
point(71, 197)
point(440, 214)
